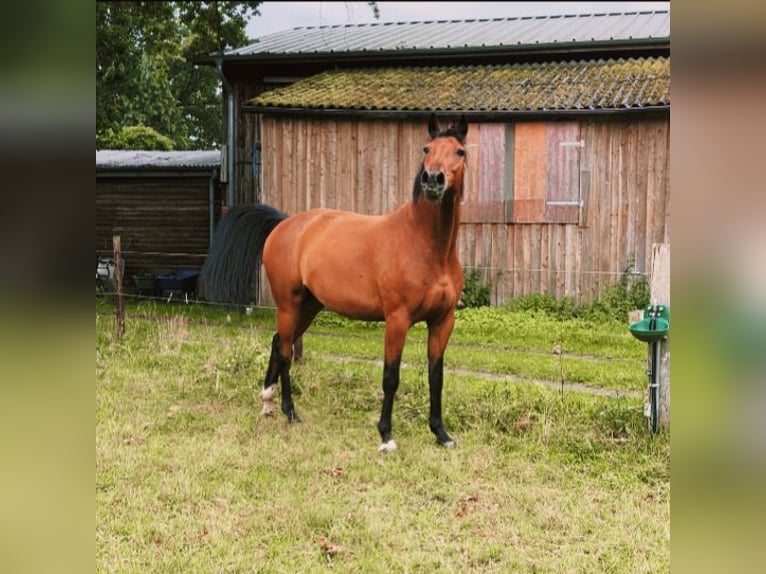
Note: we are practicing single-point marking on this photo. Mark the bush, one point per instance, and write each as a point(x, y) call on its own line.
point(475, 291)
point(629, 293)
point(561, 308)
point(134, 138)
point(614, 302)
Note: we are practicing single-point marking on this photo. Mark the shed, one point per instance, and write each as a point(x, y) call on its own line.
point(568, 142)
point(164, 205)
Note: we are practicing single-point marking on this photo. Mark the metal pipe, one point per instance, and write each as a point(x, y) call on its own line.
point(231, 184)
point(654, 373)
point(211, 203)
point(654, 386)
point(230, 155)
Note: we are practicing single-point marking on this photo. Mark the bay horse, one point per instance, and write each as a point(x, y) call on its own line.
point(401, 267)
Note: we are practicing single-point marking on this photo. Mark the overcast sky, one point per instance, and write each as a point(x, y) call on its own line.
point(278, 16)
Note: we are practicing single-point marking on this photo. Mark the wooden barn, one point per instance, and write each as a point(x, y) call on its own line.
point(164, 205)
point(568, 143)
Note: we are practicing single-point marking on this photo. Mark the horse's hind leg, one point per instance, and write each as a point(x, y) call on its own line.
point(290, 327)
point(284, 363)
point(272, 374)
point(279, 368)
point(298, 349)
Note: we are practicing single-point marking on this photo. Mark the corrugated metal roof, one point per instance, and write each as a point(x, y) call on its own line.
point(128, 159)
point(578, 85)
point(463, 34)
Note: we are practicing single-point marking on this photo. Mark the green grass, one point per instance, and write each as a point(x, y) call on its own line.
point(520, 344)
point(189, 476)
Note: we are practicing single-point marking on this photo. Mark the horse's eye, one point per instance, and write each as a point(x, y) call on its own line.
point(460, 151)
point(425, 149)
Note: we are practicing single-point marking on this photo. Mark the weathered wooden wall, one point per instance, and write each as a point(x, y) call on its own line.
point(368, 166)
point(163, 221)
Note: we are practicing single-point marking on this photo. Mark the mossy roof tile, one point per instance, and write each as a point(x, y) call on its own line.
point(574, 85)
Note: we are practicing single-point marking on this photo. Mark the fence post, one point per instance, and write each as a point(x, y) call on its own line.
point(660, 294)
point(116, 243)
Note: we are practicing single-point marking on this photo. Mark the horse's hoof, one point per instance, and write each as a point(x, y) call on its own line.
point(267, 396)
point(450, 444)
point(268, 409)
point(389, 446)
point(292, 417)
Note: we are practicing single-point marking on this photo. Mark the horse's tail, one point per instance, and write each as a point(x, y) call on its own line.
point(235, 253)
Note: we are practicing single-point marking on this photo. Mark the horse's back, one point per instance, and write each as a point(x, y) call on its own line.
point(317, 231)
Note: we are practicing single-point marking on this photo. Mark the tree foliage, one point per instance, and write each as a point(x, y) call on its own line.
point(134, 137)
point(144, 74)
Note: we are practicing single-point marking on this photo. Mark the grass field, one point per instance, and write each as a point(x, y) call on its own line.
point(191, 478)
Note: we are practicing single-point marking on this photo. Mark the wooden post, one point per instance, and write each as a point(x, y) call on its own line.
point(116, 243)
point(660, 294)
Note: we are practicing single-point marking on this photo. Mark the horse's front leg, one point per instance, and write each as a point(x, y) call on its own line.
point(396, 334)
point(438, 336)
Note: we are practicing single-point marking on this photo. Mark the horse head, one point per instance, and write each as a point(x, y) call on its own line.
point(444, 160)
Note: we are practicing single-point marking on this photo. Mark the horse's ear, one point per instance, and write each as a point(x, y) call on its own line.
point(461, 128)
point(433, 126)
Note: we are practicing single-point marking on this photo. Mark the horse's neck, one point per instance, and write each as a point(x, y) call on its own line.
point(439, 223)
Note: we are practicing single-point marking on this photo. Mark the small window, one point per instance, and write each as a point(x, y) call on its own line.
point(530, 174)
point(488, 189)
point(523, 173)
point(563, 173)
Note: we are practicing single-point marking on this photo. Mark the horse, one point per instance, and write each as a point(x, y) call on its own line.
point(401, 267)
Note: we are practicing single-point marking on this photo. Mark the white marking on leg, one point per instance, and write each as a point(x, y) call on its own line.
point(267, 396)
point(389, 446)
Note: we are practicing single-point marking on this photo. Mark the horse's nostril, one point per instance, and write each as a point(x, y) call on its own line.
point(424, 177)
point(440, 178)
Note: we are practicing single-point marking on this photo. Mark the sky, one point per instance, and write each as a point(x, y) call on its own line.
point(279, 16)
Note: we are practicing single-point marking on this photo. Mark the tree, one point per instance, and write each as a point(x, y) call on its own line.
point(144, 75)
point(143, 70)
point(208, 27)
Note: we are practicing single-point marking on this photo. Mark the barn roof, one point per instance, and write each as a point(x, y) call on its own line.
point(117, 160)
point(534, 32)
point(635, 83)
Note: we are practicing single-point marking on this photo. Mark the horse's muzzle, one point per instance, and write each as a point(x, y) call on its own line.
point(434, 184)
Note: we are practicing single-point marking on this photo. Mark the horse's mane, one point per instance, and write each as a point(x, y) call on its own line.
point(450, 131)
